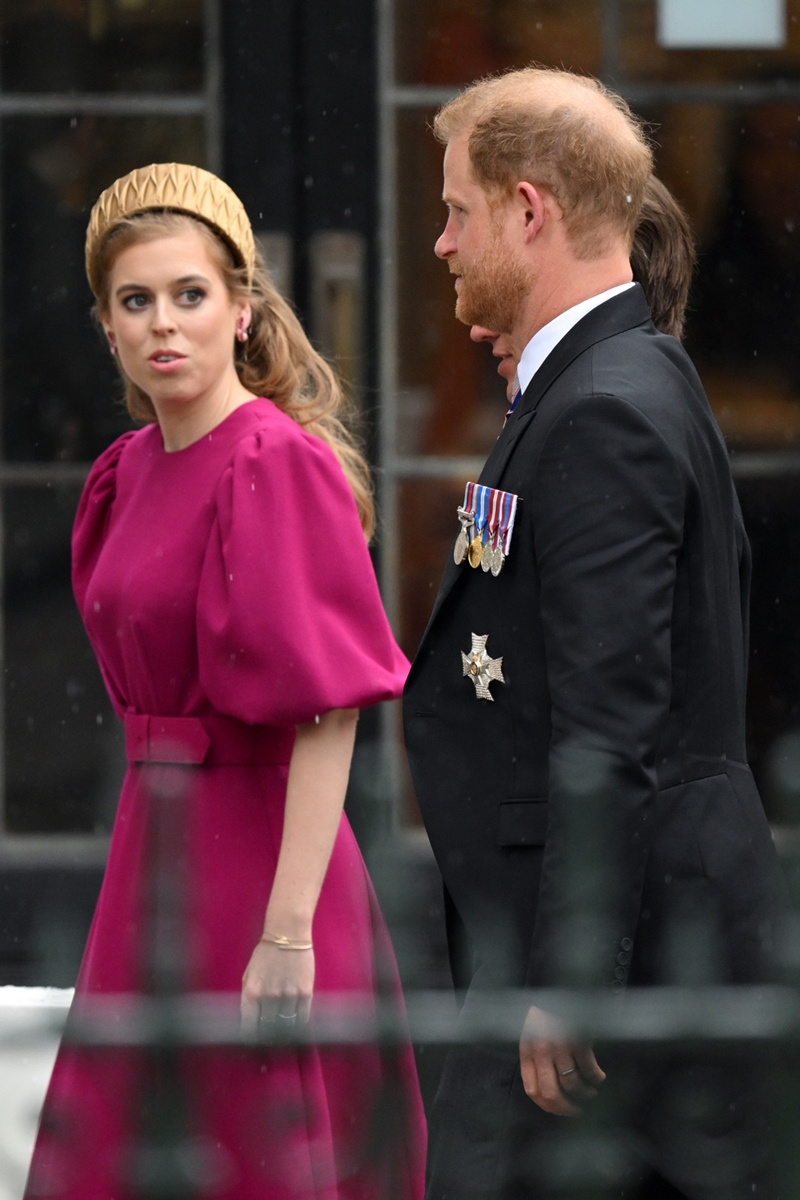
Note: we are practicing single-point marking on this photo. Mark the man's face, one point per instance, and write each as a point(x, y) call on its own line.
point(502, 349)
point(491, 281)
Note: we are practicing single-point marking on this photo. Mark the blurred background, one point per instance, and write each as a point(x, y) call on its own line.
point(317, 114)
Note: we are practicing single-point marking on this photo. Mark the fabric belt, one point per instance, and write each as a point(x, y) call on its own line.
point(212, 741)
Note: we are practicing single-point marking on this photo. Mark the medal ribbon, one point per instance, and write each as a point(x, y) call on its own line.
point(494, 512)
point(481, 510)
point(507, 522)
point(493, 519)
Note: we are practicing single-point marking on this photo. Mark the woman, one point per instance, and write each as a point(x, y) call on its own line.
point(221, 568)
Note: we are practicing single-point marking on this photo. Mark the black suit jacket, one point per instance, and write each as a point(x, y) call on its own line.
point(618, 736)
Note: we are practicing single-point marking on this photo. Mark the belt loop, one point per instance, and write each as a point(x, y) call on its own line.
point(177, 740)
point(213, 740)
point(137, 736)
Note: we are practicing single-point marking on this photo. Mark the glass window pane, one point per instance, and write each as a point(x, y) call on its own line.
point(455, 41)
point(59, 386)
point(102, 45)
point(427, 529)
point(451, 399)
point(770, 505)
point(641, 56)
point(738, 173)
point(64, 749)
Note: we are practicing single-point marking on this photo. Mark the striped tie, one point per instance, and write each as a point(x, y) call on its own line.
point(516, 392)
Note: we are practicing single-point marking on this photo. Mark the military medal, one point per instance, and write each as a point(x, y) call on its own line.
point(480, 668)
point(487, 557)
point(508, 511)
point(481, 513)
point(462, 541)
point(487, 522)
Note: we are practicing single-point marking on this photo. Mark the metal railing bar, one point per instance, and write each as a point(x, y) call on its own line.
point(733, 1017)
point(68, 850)
point(27, 474)
point(104, 104)
point(744, 465)
point(434, 466)
point(756, 92)
point(765, 464)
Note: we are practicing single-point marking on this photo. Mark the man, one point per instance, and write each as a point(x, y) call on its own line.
point(662, 258)
point(575, 715)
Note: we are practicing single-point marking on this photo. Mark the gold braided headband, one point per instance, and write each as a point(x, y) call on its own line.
point(178, 187)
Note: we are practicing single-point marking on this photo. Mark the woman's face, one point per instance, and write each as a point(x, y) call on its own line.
point(172, 320)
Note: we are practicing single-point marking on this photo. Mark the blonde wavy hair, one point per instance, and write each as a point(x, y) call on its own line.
point(277, 361)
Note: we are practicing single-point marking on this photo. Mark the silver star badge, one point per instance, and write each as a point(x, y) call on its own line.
point(480, 668)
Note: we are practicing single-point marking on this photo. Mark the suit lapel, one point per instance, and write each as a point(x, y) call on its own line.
point(615, 316)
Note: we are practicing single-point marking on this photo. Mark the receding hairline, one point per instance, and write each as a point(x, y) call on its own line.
point(550, 89)
point(554, 129)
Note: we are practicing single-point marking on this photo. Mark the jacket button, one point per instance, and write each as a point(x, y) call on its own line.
point(616, 985)
point(626, 943)
point(622, 958)
point(619, 972)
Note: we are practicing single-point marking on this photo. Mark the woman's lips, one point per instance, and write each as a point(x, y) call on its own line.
point(165, 362)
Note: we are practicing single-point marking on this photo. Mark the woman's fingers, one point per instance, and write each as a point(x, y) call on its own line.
point(251, 1013)
point(303, 1009)
point(277, 988)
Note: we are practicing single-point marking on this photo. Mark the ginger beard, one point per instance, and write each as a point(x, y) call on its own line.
point(492, 288)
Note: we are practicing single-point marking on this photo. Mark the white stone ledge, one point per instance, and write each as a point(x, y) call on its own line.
point(30, 1023)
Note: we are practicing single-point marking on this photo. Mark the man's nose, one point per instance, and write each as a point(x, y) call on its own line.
point(479, 334)
point(445, 243)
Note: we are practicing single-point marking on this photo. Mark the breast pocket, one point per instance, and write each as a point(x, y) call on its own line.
point(523, 822)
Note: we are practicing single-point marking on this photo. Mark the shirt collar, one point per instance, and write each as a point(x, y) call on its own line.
point(547, 338)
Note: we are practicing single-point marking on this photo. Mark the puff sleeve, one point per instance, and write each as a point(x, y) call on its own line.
point(290, 622)
point(92, 517)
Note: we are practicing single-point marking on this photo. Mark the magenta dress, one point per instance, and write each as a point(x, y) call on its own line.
point(228, 594)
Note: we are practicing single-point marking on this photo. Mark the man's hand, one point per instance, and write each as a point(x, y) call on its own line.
point(559, 1074)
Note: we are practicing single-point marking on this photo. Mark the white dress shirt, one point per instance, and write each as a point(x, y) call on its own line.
point(548, 337)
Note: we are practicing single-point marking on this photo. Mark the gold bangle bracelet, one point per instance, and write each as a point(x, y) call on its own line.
point(285, 943)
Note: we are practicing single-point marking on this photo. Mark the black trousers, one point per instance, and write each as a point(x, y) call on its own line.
point(691, 1122)
point(656, 1188)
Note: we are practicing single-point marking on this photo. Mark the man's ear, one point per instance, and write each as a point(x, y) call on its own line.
point(533, 205)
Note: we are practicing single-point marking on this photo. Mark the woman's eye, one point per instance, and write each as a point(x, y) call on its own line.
point(192, 295)
point(135, 300)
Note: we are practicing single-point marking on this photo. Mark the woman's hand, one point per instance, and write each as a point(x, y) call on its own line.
point(279, 980)
point(277, 987)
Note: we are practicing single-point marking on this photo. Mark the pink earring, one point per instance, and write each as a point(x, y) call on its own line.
point(112, 345)
point(241, 331)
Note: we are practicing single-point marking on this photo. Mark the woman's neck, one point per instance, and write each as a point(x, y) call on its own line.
point(183, 422)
